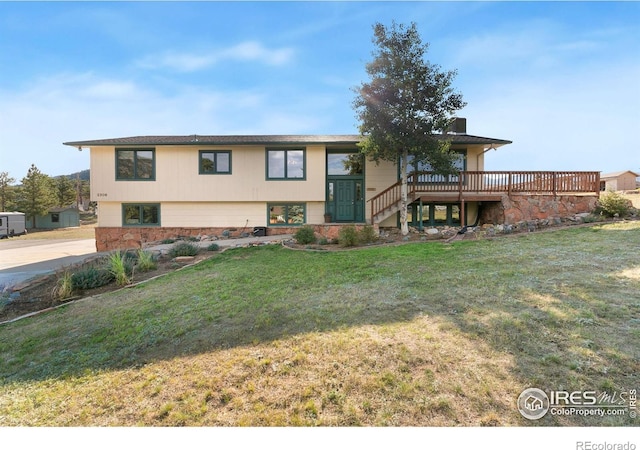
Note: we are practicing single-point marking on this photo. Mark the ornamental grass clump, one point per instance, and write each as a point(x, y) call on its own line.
point(64, 287)
point(118, 266)
point(146, 261)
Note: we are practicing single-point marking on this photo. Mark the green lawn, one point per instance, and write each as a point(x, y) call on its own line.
point(424, 334)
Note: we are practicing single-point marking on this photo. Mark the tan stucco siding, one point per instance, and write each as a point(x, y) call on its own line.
point(208, 214)
point(109, 214)
point(475, 158)
point(177, 177)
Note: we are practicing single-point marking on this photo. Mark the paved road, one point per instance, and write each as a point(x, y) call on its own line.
point(24, 259)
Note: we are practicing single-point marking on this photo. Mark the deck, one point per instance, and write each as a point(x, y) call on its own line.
point(482, 186)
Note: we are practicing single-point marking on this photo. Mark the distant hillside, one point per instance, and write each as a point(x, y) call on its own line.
point(85, 175)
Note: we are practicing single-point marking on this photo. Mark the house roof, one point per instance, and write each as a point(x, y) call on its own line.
point(617, 174)
point(196, 139)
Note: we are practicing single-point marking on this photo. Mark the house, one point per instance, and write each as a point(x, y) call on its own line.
point(149, 188)
point(619, 181)
point(59, 218)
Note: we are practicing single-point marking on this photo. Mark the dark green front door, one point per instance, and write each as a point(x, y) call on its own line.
point(345, 185)
point(345, 201)
point(348, 200)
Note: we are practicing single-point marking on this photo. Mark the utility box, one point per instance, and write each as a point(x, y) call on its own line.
point(259, 231)
point(12, 224)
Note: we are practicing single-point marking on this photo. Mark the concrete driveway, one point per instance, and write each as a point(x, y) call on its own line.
point(21, 260)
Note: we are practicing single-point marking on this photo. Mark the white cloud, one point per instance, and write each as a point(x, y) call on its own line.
point(250, 51)
point(34, 122)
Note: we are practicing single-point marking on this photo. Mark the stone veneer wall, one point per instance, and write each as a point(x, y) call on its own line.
point(117, 238)
point(517, 208)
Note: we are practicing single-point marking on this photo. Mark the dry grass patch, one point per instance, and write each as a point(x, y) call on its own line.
point(412, 374)
point(415, 335)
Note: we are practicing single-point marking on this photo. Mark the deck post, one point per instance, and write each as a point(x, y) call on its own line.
point(420, 215)
point(463, 219)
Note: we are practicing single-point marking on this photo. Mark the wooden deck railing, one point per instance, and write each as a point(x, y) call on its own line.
point(488, 183)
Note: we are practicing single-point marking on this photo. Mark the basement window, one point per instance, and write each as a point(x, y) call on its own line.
point(145, 215)
point(434, 214)
point(286, 214)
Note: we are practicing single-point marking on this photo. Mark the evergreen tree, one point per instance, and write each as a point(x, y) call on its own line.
point(35, 196)
point(64, 191)
point(7, 192)
point(405, 106)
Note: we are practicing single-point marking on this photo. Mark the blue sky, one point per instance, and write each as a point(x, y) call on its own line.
point(559, 79)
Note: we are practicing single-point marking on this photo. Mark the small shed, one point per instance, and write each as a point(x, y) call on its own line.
point(618, 181)
point(59, 218)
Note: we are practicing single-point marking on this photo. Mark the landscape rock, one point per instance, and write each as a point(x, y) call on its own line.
point(184, 259)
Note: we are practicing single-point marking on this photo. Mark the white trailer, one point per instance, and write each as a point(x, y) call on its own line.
point(12, 224)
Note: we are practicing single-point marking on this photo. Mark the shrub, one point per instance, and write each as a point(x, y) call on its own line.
point(184, 249)
point(213, 247)
point(64, 287)
point(305, 235)
point(168, 241)
point(367, 234)
point(613, 203)
point(118, 266)
point(348, 236)
point(91, 278)
point(146, 261)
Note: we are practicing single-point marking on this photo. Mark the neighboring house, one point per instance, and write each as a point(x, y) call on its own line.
point(619, 181)
point(149, 188)
point(59, 218)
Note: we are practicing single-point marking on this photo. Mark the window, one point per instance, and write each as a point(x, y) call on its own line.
point(286, 164)
point(459, 164)
point(55, 218)
point(215, 162)
point(286, 214)
point(345, 163)
point(139, 164)
point(434, 214)
point(140, 215)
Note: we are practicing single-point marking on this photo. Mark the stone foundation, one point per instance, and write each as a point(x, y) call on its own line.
point(518, 208)
point(118, 238)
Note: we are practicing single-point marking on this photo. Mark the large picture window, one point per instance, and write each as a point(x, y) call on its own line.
point(459, 164)
point(145, 215)
point(286, 214)
point(136, 164)
point(287, 164)
point(215, 162)
point(345, 163)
